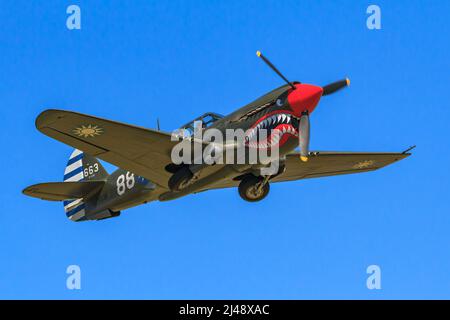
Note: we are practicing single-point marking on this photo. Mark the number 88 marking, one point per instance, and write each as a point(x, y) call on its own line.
point(124, 182)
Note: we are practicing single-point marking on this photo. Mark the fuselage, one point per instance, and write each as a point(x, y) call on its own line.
point(122, 190)
point(278, 110)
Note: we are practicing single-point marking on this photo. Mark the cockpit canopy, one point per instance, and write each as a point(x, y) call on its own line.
point(207, 119)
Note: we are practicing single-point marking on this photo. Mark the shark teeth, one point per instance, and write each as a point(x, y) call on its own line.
point(273, 119)
point(270, 123)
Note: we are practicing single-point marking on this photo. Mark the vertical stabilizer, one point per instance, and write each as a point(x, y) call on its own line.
point(81, 167)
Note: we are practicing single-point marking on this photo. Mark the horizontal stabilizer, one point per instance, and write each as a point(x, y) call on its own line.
point(58, 191)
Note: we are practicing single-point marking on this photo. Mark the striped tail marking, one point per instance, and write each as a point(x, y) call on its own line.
point(75, 209)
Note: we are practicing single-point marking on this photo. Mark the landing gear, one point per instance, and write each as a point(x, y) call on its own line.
point(253, 188)
point(180, 179)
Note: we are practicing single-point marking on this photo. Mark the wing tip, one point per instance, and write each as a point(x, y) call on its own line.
point(28, 191)
point(47, 117)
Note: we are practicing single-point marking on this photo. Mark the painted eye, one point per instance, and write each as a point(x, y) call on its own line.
point(279, 102)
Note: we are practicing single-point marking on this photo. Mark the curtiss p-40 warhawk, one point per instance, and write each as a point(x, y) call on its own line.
point(146, 170)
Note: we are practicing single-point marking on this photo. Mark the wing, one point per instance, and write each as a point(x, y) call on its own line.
point(324, 164)
point(142, 151)
point(58, 191)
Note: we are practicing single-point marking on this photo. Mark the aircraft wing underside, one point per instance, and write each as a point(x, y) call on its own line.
point(139, 150)
point(146, 152)
point(324, 164)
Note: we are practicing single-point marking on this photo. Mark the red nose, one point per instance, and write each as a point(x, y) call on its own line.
point(305, 97)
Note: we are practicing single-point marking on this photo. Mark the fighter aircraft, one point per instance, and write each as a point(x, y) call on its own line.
point(147, 173)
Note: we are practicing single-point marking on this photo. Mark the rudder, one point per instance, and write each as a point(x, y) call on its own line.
point(81, 167)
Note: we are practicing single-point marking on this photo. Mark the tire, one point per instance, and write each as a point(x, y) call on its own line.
point(179, 179)
point(247, 189)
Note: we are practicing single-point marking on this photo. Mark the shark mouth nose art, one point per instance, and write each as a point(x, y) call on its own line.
point(277, 125)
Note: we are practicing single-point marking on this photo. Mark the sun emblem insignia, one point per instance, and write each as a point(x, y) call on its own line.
point(87, 131)
point(364, 164)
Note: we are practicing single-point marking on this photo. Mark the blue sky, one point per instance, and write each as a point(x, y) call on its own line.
point(135, 61)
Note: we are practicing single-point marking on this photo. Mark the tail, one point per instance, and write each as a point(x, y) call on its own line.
point(81, 167)
point(84, 178)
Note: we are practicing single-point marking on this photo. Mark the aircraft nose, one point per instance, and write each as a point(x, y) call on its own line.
point(304, 98)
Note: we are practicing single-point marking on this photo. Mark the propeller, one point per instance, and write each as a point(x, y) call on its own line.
point(303, 136)
point(335, 86)
point(304, 125)
point(271, 66)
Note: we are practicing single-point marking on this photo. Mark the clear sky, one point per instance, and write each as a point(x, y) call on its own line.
point(135, 61)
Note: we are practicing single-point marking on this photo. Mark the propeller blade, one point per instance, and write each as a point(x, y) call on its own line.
point(335, 86)
point(259, 54)
point(303, 137)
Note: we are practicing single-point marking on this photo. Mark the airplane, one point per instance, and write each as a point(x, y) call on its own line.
point(147, 173)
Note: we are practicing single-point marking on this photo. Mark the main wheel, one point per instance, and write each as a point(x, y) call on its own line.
point(252, 190)
point(180, 179)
